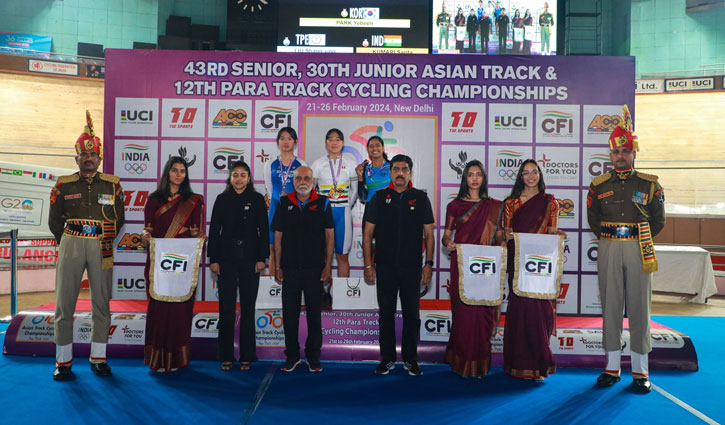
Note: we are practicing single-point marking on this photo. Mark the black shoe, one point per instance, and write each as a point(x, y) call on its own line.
point(384, 367)
point(290, 365)
point(413, 368)
point(606, 380)
point(314, 366)
point(642, 385)
point(62, 373)
point(101, 369)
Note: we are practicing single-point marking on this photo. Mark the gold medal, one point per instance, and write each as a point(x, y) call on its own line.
point(334, 194)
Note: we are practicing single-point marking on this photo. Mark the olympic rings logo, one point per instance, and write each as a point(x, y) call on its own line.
point(135, 168)
point(507, 174)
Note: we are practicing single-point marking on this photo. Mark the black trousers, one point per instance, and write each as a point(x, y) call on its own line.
point(297, 281)
point(472, 42)
point(237, 276)
point(390, 281)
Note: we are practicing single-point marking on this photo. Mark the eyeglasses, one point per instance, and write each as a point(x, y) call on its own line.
point(530, 173)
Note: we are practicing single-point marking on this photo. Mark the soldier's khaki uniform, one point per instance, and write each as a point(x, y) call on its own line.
point(85, 216)
point(618, 211)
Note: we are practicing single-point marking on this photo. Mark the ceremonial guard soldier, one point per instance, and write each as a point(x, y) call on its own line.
point(86, 213)
point(625, 209)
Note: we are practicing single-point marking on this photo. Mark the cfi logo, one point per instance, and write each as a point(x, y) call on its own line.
point(463, 122)
point(131, 242)
point(592, 251)
point(230, 118)
point(538, 265)
point(224, 157)
point(599, 164)
point(137, 116)
point(174, 263)
point(275, 290)
point(353, 289)
point(603, 124)
point(557, 123)
point(437, 324)
point(459, 165)
point(509, 122)
point(182, 117)
point(275, 117)
point(566, 208)
point(482, 266)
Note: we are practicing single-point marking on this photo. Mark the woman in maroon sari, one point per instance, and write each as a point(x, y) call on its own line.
point(529, 322)
point(172, 211)
point(474, 218)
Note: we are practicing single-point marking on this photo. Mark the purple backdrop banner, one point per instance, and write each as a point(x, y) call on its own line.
point(443, 111)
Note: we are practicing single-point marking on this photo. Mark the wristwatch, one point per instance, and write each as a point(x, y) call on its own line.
point(428, 263)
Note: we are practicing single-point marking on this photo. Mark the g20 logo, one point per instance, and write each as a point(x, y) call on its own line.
point(270, 318)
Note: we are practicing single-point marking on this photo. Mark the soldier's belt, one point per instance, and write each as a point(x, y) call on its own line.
point(619, 231)
point(92, 229)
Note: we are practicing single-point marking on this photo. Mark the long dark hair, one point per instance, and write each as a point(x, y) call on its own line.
point(483, 190)
point(163, 191)
point(519, 184)
point(379, 139)
point(245, 167)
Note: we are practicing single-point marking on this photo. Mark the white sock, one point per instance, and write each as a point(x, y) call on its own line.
point(98, 352)
point(614, 360)
point(64, 355)
point(640, 364)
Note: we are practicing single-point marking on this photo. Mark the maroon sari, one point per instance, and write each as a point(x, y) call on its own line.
point(469, 345)
point(529, 322)
point(168, 324)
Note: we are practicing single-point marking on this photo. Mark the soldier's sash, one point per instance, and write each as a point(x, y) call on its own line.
point(538, 264)
point(481, 271)
point(174, 268)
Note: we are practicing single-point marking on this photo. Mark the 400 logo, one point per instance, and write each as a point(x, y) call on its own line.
point(566, 208)
point(603, 124)
point(173, 263)
point(230, 118)
point(436, 326)
point(482, 266)
point(130, 242)
point(538, 265)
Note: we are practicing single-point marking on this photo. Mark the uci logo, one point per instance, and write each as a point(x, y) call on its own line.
point(437, 324)
point(134, 115)
point(175, 263)
point(538, 265)
point(482, 266)
point(129, 283)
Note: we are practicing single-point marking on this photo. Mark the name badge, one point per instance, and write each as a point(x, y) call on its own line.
point(104, 199)
point(640, 198)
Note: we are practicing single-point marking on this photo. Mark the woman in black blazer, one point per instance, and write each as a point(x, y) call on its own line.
point(237, 250)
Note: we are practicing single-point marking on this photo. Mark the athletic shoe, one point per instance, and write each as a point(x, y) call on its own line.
point(290, 365)
point(314, 366)
point(413, 368)
point(384, 367)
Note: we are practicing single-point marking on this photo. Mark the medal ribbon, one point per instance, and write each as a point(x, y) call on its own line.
point(286, 172)
point(332, 171)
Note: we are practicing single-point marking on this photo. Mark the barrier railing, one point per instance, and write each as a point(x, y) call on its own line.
point(13, 235)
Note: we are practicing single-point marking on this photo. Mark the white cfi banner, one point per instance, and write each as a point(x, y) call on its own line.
point(353, 293)
point(482, 272)
point(174, 271)
point(538, 264)
point(269, 295)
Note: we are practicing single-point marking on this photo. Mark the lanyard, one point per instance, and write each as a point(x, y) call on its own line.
point(332, 171)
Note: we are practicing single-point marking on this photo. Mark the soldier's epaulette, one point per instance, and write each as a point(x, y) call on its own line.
point(109, 178)
point(68, 179)
point(649, 177)
point(601, 179)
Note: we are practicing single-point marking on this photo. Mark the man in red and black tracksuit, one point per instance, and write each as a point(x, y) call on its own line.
point(399, 217)
point(304, 241)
